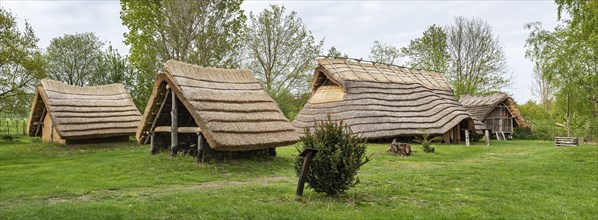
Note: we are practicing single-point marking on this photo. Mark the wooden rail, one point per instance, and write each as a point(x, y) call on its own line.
point(566, 141)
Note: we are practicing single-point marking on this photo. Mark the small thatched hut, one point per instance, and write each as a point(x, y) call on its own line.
point(498, 113)
point(71, 115)
point(227, 107)
point(382, 101)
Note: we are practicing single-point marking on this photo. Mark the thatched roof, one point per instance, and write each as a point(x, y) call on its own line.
point(230, 107)
point(84, 112)
point(381, 101)
point(481, 106)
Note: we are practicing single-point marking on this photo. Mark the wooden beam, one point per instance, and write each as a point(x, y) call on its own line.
point(159, 110)
point(40, 123)
point(186, 130)
point(174, 132)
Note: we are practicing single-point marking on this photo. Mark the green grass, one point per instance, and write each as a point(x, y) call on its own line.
point(510, 179)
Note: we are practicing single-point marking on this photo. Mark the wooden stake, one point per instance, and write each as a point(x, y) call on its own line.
point(307, 154)
point(52, 133)
point(466, 137)
point(200, 149)
point(153, 143)
point(487, 135)
point(174, 132)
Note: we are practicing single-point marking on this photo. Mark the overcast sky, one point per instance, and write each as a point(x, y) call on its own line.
point(351, 26)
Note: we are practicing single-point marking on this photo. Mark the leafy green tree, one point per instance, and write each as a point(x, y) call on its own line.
point(74, 58)
point(567, 56)
point(477, 60)
point(206, 33)
point(282, 50)
point(428, 52)
point(21, 65)
point(384, 53)
point(335, 53)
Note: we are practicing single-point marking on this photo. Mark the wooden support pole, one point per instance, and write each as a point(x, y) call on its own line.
point(153, 143)
point(466, 137)
point(487, 136)
point(200, 149)
point(174, 132)
point(52, 133)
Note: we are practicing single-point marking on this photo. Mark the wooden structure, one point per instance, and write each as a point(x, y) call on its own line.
point(381, 101)
point(71, 115)
point(566, 141)
point(209, 111)
point(498, 113)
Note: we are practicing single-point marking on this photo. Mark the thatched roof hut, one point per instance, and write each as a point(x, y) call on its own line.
point(497, 112)
point(226, 106)
point(381, 101)
point(70, 114)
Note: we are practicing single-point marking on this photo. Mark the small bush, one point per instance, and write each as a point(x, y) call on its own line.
point(426, 141)
point(340, 154)
point(7, 138)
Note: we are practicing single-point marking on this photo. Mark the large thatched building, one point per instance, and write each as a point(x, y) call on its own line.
point(229, 108)
point(498, 113)
point(70, 114)
point(382, 101)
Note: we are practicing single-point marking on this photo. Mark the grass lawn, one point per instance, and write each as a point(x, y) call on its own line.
point(510, 179)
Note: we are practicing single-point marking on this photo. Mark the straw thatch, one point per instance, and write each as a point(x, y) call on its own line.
point(481, 106)
point(82, 112)
point(382, 101)
point(229, 106)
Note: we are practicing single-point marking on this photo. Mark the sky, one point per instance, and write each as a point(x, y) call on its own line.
point(350, 26)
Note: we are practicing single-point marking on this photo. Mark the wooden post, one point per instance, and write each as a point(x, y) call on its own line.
point(174, 132)
point(487, 135)
point(307, 154)
point(52, 133)
point(466, 137)
point(153, 143)
point(200, 154)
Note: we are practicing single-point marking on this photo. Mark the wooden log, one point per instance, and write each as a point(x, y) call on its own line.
point(174, 133)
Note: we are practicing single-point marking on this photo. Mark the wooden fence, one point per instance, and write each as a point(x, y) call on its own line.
point(13, 127)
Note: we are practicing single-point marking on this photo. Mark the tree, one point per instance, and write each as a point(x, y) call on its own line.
point(384, 53)
point(74, 58)
point(541, 88)
point(568, 61)
point(428, 52)
point(206, 33)
point(335, 53)
point(340, 154)
point(21, 64)
point(282, 50)
point(477, 61)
